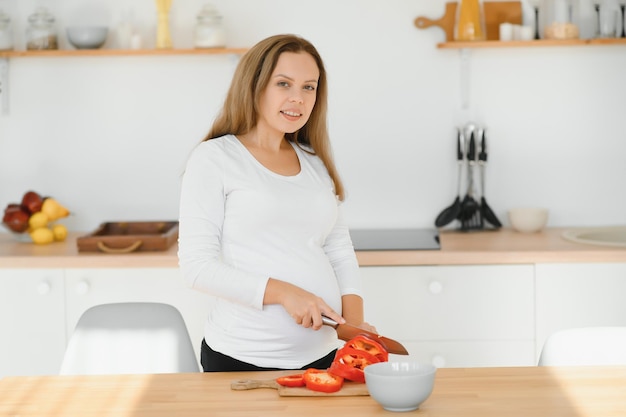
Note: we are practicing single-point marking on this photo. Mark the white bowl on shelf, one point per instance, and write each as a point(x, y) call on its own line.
point(87, 37)
point(528, 219)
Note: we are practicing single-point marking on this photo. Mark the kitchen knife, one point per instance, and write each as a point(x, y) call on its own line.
point(347, 332)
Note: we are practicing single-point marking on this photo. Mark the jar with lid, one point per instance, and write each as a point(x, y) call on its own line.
point(209, 31)
point(560, 18)
point(6, 34)
point(41, 32)
point(470, 21)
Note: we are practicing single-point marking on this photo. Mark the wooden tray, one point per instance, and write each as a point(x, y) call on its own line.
point(496, 12)
point(127, 237)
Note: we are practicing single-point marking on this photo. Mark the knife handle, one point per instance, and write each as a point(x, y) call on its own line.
point(329, 322)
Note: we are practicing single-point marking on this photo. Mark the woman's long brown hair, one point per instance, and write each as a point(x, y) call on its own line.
point(240, 112)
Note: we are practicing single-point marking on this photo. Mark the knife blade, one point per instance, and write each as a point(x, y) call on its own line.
point(348, 331)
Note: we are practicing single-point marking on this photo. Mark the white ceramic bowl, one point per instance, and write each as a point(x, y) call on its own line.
point(87, 37)
point(528, 219)
point(400, 386)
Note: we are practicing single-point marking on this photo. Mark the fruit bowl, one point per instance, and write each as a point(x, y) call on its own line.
point(33, 219)
point(18, 237)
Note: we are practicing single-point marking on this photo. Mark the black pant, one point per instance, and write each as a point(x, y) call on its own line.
point(213, 361)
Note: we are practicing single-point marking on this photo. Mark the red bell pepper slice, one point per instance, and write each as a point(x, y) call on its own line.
point(370, 346)
point(291, 380)
point(350, 363)
point(322, 381)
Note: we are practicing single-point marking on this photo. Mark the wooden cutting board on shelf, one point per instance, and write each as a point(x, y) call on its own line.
point(348, 388)
point(496, 12)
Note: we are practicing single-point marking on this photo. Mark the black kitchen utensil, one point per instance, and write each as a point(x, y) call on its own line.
point(596, 6)
point(486, 211)
point(452, 212)
point(470, 209)
point(622, 6)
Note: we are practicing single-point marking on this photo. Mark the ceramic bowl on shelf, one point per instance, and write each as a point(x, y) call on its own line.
point(87, 37)
point(400, 386)
point(528, 219)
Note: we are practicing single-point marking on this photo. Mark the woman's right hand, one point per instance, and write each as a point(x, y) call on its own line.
point(305, 308)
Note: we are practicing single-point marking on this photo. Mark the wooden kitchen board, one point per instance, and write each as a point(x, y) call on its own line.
point(348, 389)
point(496, 12)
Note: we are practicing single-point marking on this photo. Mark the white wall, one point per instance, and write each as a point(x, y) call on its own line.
point(108, 136)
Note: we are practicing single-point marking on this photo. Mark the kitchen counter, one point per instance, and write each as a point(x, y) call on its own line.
point(457, 248)
point(471, 392)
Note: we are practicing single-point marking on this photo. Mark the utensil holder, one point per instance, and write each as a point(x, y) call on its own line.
point(471, 212)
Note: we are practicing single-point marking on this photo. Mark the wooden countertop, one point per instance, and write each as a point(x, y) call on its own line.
point(469, 392)
point(457, 248)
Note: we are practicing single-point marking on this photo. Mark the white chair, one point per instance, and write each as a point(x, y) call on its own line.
point(585, 346)
point(125, 338)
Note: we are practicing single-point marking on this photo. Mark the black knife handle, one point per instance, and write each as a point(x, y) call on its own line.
point(471, 152)
point(482, 156)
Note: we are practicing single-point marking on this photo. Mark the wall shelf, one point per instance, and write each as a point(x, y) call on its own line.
point(5, 56)
point(533, 43)
point(121, 52)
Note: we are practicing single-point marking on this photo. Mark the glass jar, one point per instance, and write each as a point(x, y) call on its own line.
point(209, 31)
point(41, 32)
point(470, 21)
point(6, 34)
point(560, 20)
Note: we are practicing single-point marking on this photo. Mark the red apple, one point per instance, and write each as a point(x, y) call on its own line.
point(16, 219)
point(12, 207)
point(32, 202)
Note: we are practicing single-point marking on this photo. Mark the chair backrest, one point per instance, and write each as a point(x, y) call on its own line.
point(585, 346)
point(125, 338)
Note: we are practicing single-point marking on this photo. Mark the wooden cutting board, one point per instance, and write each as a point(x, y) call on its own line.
point(496, 12)
point(348, 388)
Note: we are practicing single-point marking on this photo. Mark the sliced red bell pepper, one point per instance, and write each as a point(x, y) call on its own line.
point(322, 381)
point(291, 380)
point(350, 363)
point(370, 346)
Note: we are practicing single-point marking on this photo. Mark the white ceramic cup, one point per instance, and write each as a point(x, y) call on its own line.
point(528, 219)
point(506, 32)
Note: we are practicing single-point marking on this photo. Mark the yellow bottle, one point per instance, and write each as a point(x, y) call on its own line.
point(164, 39)
point(470, 21)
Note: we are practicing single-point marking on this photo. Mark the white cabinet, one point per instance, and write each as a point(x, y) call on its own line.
point(455, 316)
point(88, 287)
point(579, 295)
point(32, 317)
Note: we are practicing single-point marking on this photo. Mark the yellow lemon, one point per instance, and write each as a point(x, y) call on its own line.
point(38, 220)
point(42, 235)
point(60, 232)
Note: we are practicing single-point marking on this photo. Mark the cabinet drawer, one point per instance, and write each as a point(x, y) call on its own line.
point(472, 354)
point(579, 295)
point(451, 303)
point(31, 321)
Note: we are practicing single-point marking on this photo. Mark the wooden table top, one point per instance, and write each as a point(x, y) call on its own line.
point(468, 392)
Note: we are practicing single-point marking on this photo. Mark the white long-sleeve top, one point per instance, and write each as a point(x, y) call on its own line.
point(241, 224)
